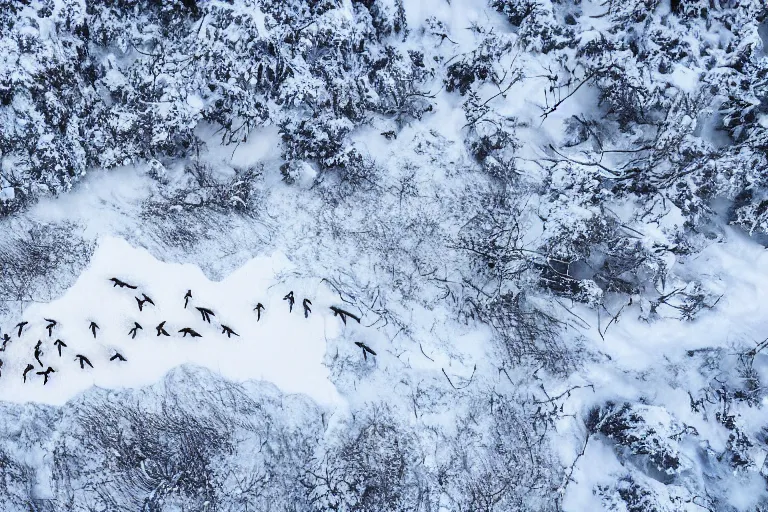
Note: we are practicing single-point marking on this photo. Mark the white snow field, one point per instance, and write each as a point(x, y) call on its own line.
point(284, 348)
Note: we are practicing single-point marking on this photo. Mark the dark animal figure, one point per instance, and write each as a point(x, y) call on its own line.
point(45, 374)
point(117, 355)
point(187, 296)
point(344, 314)
point(135, 329)
point(229, 332)
point(28, 369)
point(140, 302)
point(83, 361)
point(20, 326)
point(121, 284)
point(206, 314)
point(307, 310)
point(6, 339)
point(365, 348)
point(191, 332)
point(50, 326)
point(59, 344)
point(38, 352)
point(161, 329)
point(290, 300)
point(259, 307)
point(93, 326)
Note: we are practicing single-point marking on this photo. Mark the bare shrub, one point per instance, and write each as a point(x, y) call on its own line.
point(15, 483)
point(499, 460)
point(151, 456)
point(375, 467)
point(204, 190)
point(504, 269)
point(40, 260)
point(217, 448)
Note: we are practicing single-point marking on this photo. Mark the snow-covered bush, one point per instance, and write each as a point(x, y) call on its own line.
point(131, 80)
point(201, 187)
point(500, 460)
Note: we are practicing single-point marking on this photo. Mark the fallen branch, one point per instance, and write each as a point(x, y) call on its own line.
point(425, 355)
point(569, 478)
point(464, 386)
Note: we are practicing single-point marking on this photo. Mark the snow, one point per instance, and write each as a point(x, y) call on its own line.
point(7, 193)
point(285, 349)
point(196, 102)
point(685, 79)
point(392, 248)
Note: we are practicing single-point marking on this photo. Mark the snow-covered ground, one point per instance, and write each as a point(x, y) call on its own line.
point(656, 363)
point(284, 348)
point(537, 208)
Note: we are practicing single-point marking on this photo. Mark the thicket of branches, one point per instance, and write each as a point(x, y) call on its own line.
point(39, 261)
point(223, 448)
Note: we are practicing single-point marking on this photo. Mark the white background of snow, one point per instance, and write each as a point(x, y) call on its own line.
point(284, 348)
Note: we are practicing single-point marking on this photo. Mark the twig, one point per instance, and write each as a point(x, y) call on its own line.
point(501, 92)
point(337, 290)
point(425, 355)
point(562, 100)
point(614, 319)
point(449, 379)
point(588, 164)
point(585, 323)
point(569, 478)
point(550, 400)
point(464, 386)
point(760, 346)
point(599, 330)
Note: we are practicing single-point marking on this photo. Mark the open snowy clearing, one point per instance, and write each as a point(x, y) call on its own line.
point(284, 348)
